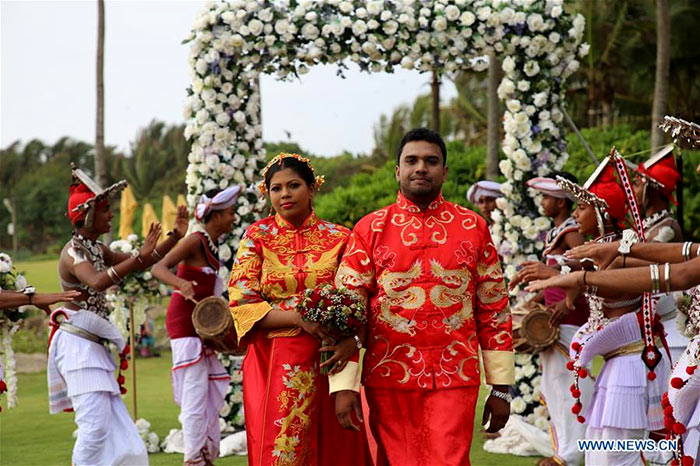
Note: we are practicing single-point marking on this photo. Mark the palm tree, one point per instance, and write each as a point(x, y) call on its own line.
point(493, 119)
point(100, 168)
point(663, 68)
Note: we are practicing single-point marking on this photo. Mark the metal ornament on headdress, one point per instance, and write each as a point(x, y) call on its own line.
point(680, 129)
point(318, 179)
point(100, 194)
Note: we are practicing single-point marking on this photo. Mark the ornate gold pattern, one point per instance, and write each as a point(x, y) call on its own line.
point(296, 402)
point(391, 357)
point(405, 222)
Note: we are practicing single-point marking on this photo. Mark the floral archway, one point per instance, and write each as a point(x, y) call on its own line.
point(233, 41)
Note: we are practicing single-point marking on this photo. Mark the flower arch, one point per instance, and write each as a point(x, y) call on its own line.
point(233, 41)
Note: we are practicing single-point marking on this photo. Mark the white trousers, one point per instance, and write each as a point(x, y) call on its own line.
point(611, 458)
point(556, 380)
point(106, 433)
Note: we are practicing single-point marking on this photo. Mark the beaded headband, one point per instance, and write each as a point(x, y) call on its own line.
point(680, 129)
point(318, 180)
point(580, 193)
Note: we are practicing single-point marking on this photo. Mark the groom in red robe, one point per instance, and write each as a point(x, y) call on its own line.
point(436, 295)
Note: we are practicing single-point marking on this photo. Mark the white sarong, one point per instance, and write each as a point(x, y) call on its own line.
point(556, 380)
point(199, 383)
point(81, 376)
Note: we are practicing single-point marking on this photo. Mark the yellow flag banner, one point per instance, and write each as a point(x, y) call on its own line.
point(169, 215)
point(127, 206)
point(181, 200)
point(149, 216)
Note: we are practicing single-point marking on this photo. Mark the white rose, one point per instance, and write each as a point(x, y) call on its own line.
point(483, 13)
point(239, 117)
point(467, 18)
point(223, 119)
point(540, 99)
point(211, 161)
point(345, 7)
point(554, 37)
point(407, 62)
point(508, 64)
point(556, 12)
point(513, 105)
point(452, 12)
point(243, 210)
point(255, 26)
point(224, 252)
point(386, 15)
point(532, 68)
point(147, 275)
point(518, 405)
point(506, 88)
point(523, 85)
point(281, 26)
point(390, 27)
point(507, 14)
point(440, 23)
point(361, 13)
point(583, 50)
point(535, 22)
point(359, 27)
point(309, 31)
point(374, 8)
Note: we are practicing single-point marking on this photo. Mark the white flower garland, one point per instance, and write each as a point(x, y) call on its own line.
point(8, 371)
point(233, 41)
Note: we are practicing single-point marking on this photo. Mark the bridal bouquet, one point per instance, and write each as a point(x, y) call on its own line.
point(337, 309)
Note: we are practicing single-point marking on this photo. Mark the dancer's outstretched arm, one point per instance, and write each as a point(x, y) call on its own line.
point(611, 283)
point(604, 253)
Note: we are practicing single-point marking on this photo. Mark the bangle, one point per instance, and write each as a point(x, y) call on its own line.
point(358, 343)
point(624, 261)
point(686, 249)
point(156, 255)
point(505, 396)
point(654, 272)
point(113, 275)
point(139, 260)
point(584, 277)
point(667, 277)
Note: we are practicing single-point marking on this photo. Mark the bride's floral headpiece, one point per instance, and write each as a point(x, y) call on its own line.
point(319, 179)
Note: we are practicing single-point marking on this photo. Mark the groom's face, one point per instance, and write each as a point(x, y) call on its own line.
point(421, 170)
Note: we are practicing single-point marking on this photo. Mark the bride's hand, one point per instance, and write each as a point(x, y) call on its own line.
point(342, 352)
point(314, 329)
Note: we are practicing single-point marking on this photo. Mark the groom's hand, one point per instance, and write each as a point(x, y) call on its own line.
point(496, 410)
point(345, 403)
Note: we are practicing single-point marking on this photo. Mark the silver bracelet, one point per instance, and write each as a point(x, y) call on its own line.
point(621, 304)
point(358, 343)
point(654, 272)
point(505, 396)
point(667, 277)
point(113, 275)
point(156, 255)
point(686, 249)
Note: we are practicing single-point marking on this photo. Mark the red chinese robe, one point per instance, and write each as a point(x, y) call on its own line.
point(290, 416)
point(436, 295)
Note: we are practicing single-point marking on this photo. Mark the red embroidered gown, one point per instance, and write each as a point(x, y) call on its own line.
point(290, 416)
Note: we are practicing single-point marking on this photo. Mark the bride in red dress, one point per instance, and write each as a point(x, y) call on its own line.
point(290, 416)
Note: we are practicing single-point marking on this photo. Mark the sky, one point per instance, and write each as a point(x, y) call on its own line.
point(47, 79)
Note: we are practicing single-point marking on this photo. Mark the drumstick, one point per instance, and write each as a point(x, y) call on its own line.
point(190, 299)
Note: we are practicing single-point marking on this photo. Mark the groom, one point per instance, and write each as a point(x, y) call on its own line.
point(435, 296)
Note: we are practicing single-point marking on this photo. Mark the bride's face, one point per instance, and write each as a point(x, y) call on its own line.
point(290, 196)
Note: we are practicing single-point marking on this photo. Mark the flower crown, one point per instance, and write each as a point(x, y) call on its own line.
point(318, 180)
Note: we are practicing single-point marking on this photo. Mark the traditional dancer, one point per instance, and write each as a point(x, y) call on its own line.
point(199, 380)
point(654, 186)
point(556, 378)
point(483, 194)
point(435, 295)
point(625, 404)
point(290, 416)
point(80, 369)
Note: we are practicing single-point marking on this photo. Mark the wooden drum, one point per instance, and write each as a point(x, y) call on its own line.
point(213, 322)
point(532, 332)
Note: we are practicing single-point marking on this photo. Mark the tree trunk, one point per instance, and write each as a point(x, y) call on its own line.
point(663, 68)
point(435, 88)
point(493, 119)
point(100, 168)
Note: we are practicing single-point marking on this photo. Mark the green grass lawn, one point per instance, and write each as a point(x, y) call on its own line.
point(29, 435)
point(42, 274)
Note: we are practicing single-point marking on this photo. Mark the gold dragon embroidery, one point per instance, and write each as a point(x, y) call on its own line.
point(446, 296)
point(412, 297)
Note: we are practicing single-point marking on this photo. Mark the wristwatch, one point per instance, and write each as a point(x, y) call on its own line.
point(505, 396)
point(29, 292)
point(629, 237)
point(358, 343)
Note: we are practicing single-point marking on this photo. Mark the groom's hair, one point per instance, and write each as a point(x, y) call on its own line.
point(423, 134)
